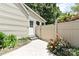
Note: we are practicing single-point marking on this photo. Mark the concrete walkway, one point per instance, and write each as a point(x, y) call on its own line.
point(34, 48)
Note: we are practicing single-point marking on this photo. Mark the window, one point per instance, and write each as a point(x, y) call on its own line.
point(38, 23)
point(42, 23)
point(31, 23)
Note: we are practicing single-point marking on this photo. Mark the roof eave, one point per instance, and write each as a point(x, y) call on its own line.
point(35, 13)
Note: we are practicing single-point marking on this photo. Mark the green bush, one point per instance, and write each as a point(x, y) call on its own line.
point(63, 48)
point(10, 41)
point(65, 17)
point(2, 36)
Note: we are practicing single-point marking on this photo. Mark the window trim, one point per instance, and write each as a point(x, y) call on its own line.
point(37, 23)
point(31, 24)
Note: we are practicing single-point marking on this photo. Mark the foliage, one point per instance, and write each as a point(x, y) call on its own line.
point(62, 48)
point(24, 38)
point(50, 12)
point(9, 41)
point(75, 8)
point(66, 17)
point(2, 36)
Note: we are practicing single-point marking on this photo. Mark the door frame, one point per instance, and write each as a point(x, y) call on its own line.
point(32, 27)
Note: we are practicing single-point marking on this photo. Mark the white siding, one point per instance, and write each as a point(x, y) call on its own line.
point(12, 20)
point(34, 16)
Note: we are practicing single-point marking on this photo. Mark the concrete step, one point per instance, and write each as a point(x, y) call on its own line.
point(33, 38)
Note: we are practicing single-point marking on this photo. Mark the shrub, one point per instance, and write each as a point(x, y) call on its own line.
point(10, 41)
point(67, 17)
point(2, 36)
point(61, 48)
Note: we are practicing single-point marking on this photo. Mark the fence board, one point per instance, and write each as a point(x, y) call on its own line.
point(69, 31)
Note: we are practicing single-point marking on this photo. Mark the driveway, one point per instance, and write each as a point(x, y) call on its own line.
point(34, 48)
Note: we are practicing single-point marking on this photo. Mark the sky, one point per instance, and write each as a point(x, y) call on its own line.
point(65, 7)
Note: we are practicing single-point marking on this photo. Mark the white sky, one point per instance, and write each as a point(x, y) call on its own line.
point(65, 7)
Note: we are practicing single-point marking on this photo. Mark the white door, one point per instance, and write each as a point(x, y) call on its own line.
point(31, 28)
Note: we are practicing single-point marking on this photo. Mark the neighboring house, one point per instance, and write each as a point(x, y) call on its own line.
point(18, 19)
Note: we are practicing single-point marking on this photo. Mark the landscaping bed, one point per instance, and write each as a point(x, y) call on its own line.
point(62, 48)
point(10, 42)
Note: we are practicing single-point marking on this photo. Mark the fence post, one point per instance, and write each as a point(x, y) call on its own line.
point(56, 29)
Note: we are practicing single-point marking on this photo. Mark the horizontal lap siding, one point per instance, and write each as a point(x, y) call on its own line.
point(12, 20)
point(34, 16)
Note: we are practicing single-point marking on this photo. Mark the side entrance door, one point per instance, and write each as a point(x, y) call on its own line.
point(31, 28)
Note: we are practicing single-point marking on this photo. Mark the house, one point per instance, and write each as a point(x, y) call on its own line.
point(19, 19)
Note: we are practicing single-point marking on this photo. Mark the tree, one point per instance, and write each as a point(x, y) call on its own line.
point(50, 12)
point(65, 17)
point(75, 8)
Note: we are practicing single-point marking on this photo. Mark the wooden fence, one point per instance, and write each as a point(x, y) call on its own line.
point(45, 32)
point(69, 31)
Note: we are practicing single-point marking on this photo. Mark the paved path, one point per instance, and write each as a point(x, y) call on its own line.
point(34, 48)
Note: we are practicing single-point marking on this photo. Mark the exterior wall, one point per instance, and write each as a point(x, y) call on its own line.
point(12, 20)
point(68, 30)
point(34, 16)
point(32, 30)
point(45, 32)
